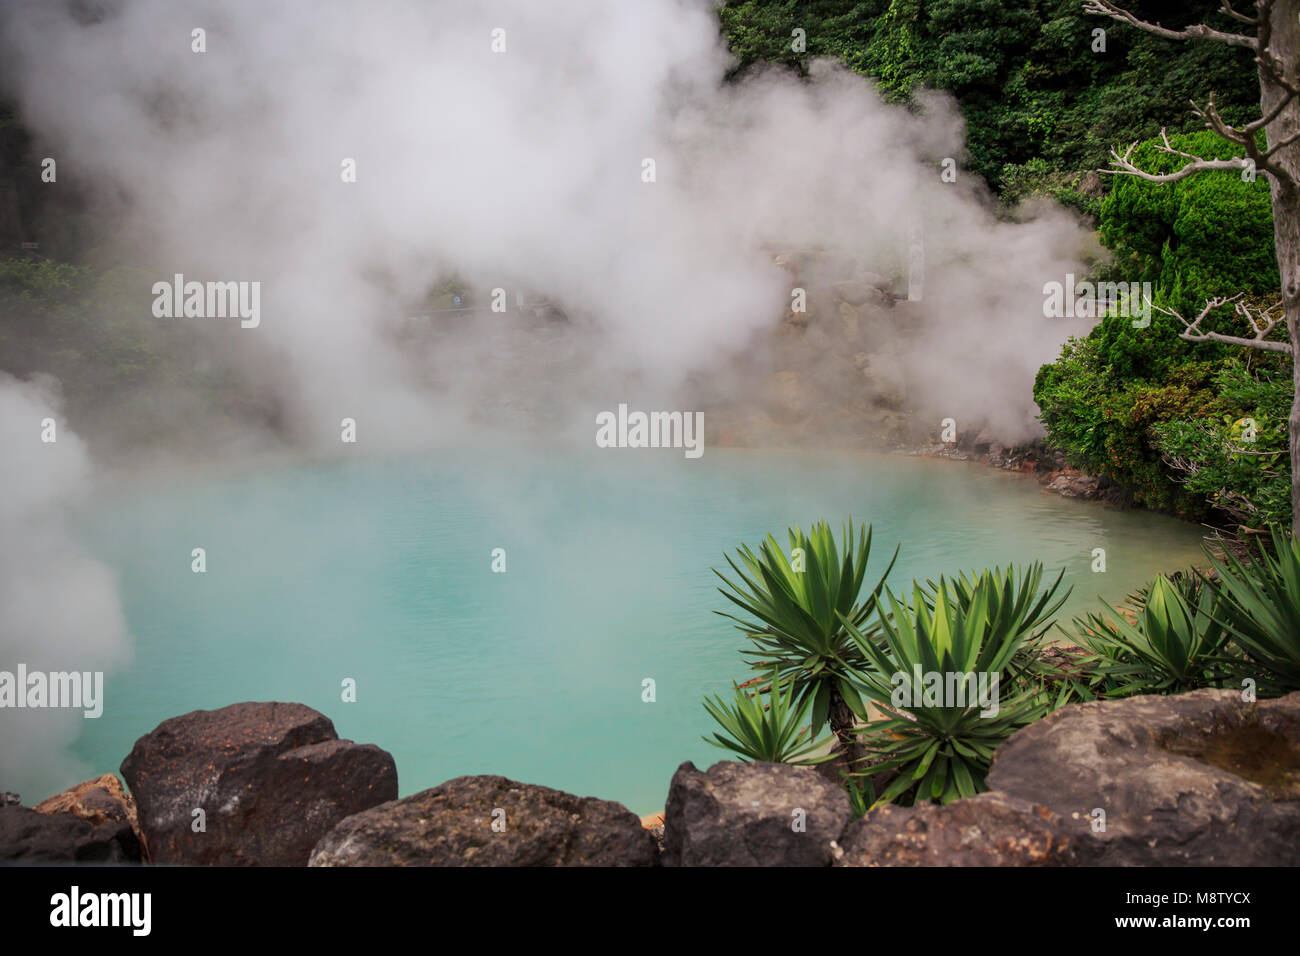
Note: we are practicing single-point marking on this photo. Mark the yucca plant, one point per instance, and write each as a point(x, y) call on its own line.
point(797, 606)
point(1019, 606)
point(1259, 604)
point(938, 741)
point(774, 731)
point(1176, 643)
point(1022, 606)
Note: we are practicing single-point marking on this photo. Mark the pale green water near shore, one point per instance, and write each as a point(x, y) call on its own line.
point(381, 571)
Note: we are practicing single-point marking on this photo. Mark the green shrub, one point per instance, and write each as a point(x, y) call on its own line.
point(1204, 236)
point(1107, 425)
point(1237, 457)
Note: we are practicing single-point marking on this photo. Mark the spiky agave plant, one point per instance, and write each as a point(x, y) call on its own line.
point(937, 667)
point(774, 731)
point(1176, 642)
point(1259, 604)
point(1022, 603)
point(797, 606)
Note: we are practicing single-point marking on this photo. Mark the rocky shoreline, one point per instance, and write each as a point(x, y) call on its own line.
point(1198, 779)
point(1046, 465)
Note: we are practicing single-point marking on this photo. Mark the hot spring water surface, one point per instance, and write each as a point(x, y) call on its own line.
point(381, 571)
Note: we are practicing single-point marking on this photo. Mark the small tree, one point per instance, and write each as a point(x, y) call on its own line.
point(797, 607)
point(1276, 45)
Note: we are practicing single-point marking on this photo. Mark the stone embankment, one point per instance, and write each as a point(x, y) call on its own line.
point(1198, 779)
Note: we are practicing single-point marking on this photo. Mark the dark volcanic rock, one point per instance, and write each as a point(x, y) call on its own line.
point(102, 800)
point(752, 814)
point(10, 799)
point(30, 837)
point(1195, 779)
point(453, 825)
point(271, 778)
point(991, 829)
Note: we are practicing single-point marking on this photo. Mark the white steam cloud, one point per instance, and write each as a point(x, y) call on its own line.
point(61, 610)
point(520, 170)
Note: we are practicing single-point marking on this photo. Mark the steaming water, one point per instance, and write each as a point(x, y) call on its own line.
point(381, 571)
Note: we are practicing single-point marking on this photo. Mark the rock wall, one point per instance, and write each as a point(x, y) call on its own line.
point(1202, 779)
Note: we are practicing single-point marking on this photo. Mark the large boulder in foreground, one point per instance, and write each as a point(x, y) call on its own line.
point(991, 829)
point(453, 825)
point(30, 837)
point(271, 780)
point(1196, 779)
point(752, 814)
point(99, 801)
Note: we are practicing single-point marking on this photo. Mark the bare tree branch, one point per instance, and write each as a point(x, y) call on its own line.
point(1125, 166)
point(1261, 323)
point(1261, 160)
point(1198, 32)
point(1226, 7)
point(1245, 137)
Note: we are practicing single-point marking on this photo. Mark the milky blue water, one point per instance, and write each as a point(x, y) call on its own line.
point(381, 571)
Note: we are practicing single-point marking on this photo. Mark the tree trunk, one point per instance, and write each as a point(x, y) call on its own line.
point(842, 724)
point(1284, 44)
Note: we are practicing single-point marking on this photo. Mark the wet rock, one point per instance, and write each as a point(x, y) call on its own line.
point(490, 821)
point(30, 837)
point(655, 825)
point(907, 314)
point(752, 814)
point(798, 320)
point(1196, 779)
point(816, 339)
point(850, 322)
point(856, 292)
point(10, 799)
point(884, 376)
point(1075, 486)
point(270, 778)
point(991, 829)
point(789, 259)
point(99, 801)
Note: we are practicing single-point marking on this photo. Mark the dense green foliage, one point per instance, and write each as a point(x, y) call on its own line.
point(1205, 236)
point(1159, 416)
point(1239, 463)
point(1024, 72)
point(1180, 442)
